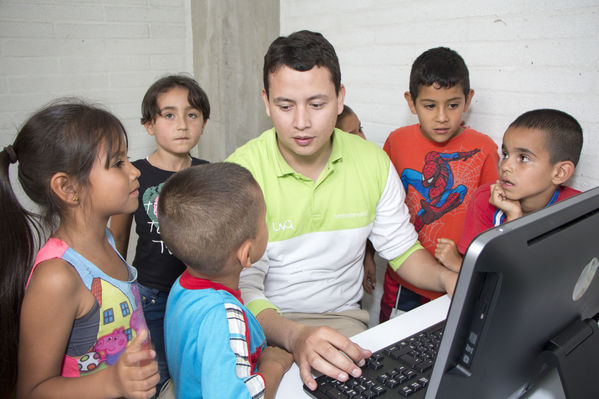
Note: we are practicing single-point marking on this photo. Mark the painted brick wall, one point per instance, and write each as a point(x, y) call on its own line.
point(107, 51)
point(521, 55)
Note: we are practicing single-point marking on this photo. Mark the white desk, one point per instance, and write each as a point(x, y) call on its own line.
point(400, 327)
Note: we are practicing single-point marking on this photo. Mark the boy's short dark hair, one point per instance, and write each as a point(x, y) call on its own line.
point(347, 111)
point(196, 96)
point(302, 51)
point(562, 131)
point(207, 211)
point(441, 66)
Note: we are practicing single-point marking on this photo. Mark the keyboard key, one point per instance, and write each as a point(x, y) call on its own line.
point(378, 390)
point(368, 394)
point(424, 365)
point(410, 361)
point(334, 393)
point(415, 386)
point(410, 374)
point(423, 381)
point(392, 383)
point(405, 391)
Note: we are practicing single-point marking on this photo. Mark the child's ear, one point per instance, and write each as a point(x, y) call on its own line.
point(468, 100)
point(243, 254)
point(562, 171)
point(150, 127)
point(410, 101)
point(63, 187)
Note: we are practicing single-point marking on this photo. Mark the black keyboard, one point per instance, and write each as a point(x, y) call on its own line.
point(402, 369)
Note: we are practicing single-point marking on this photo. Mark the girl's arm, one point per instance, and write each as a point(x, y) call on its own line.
point(54, 298)
point(120, 226)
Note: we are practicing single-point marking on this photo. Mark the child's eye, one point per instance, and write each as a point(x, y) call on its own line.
point(504, 155)
point(317, 105)
point(453, 106)
point(192, 115)
point(168, 116)
point(429, 106)
point(119, 164)
point(524, 158)
point(284, 107)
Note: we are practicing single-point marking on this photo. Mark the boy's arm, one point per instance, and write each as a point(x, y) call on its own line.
point(369, 281)
point(220, 349)
point(273, 363)
point(120, 226)
point(511, 208)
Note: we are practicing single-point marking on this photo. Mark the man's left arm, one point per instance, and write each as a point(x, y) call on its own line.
point(421, 269)
point(395, 238)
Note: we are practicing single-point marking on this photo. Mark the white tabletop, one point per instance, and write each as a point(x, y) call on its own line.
point(400, 327)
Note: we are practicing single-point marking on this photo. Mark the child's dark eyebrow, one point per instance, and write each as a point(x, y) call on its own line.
point(519, 149)
point(525, 150)
point(451, 99)
point(167, 108)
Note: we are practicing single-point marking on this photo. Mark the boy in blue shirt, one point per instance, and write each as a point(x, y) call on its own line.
point(212, 217)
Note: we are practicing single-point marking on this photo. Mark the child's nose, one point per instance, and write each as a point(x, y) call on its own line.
point(442, 115)
point(135, 173)
point(182, 123)
point(505, 165)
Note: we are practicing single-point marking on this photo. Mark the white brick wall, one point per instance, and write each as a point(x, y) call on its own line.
point(107, 51)
point(521, 55)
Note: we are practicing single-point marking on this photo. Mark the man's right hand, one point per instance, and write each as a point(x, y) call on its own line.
point(328, 352)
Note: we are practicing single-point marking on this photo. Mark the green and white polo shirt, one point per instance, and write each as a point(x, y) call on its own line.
point(317, 230)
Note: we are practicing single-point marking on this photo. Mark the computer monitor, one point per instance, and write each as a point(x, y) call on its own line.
point(520, 285)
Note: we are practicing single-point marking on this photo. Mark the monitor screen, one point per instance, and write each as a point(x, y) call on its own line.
point(520, 285)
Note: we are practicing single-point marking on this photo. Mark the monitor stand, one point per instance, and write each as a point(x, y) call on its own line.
point(575, 353)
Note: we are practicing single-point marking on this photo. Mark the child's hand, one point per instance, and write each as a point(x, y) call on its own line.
point(132, 380)
point(272, 364)
point(500, 200)
point(276, 356)
point(447, 253)
point(369, 281)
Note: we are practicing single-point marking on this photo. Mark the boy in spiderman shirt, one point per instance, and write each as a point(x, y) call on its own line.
point(440, 161)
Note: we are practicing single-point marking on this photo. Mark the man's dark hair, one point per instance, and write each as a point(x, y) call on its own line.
point(439, 66)
point(563, 133)
point(302, 51)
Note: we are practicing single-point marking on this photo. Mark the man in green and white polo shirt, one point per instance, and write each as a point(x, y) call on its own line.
point(326, 192)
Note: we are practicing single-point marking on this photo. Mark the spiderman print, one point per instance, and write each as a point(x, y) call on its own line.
point(435, 184)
